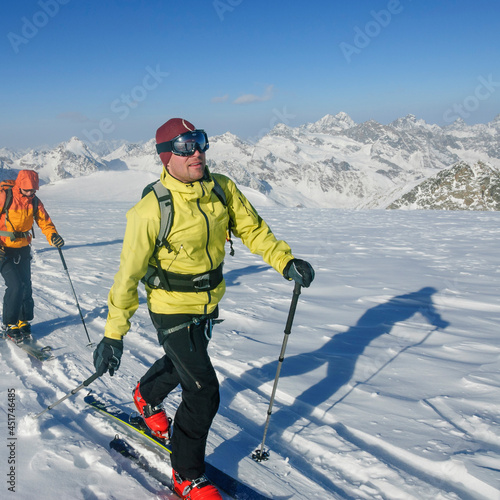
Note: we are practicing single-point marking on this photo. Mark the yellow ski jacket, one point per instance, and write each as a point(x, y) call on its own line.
point(196, 245)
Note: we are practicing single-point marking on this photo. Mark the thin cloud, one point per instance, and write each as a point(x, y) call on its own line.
point(223, 98)
point(249, 98)
point(73, 116)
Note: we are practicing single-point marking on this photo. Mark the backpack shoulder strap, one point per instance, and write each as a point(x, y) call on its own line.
point(8, 201)
point(164, 198)
point(35, 205)
point(220, 193)
point(217, 189)
point(35, 212)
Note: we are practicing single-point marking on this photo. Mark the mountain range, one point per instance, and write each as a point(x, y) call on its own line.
point(461, 187)
point(333, 162)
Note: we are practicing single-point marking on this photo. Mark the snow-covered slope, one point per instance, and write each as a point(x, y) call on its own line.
point(390, 386)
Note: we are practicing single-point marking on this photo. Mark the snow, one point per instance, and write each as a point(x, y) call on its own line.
point(390, 386)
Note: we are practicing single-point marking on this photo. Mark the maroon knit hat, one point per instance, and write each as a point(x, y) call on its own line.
point(168, 131)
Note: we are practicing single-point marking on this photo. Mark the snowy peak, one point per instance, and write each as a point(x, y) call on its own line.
point(461, 187)
point(367, 132)
point(330, 124)
point(458, 125)
point(226, 138)
point(76, 147)
point(135, 156)
point(410, 122)
point(495, 123)
point(68, 159)
point(7, 161)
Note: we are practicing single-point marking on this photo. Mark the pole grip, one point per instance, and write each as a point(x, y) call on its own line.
point(90, 379)
point(293, 307)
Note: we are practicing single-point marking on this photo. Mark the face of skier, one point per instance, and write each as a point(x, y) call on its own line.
point(29, 193)
point(187, 169)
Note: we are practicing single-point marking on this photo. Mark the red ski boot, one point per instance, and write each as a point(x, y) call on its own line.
point(194, 489)
point(154, 417)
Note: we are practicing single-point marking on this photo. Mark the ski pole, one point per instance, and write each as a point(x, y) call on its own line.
point(260, 455)
point(90, 344)
point(81, 386)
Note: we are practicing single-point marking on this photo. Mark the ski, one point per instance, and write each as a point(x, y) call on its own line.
point(126, 450)
point(33, 348)
point(136, 426)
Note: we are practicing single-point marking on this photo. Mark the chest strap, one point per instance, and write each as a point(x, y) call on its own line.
point(14, 235)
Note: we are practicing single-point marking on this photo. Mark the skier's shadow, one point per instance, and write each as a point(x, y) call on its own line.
point(70, 247)
point(339, 355)
point(232, 277)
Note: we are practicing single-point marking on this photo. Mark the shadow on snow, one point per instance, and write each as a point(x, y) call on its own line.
point(340, 355)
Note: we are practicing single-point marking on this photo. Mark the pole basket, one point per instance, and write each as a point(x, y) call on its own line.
point(260, 456)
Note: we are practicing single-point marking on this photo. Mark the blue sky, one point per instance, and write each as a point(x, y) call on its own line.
point(119, 69)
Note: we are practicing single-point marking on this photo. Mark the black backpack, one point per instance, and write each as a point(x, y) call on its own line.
point(164, 197)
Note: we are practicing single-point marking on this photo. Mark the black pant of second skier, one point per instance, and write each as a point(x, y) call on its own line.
point(18, 298)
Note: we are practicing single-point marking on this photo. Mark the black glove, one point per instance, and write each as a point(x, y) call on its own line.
point(107, 355)
point(57, 241)
point(300, 271)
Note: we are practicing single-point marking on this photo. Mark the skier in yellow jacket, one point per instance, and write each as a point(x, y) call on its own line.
point(184, 304)
point(20, 208)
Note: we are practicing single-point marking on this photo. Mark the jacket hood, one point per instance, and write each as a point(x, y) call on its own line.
point(27, 179)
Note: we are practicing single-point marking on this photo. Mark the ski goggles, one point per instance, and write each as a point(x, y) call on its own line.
point(185, 144)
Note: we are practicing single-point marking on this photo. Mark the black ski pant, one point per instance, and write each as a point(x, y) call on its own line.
point(18, 298)
point(186, 362)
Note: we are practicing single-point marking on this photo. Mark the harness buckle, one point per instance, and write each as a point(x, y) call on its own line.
point(202, 282)
point(18, 234)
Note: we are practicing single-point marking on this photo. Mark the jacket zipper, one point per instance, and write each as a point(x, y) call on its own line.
point(209, 295)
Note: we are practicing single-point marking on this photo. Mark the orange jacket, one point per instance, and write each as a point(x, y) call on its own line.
point(19, 217)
